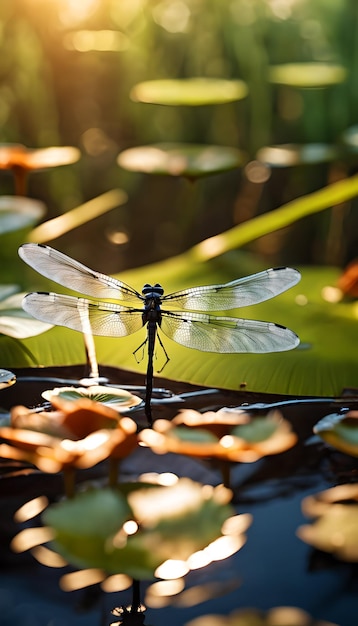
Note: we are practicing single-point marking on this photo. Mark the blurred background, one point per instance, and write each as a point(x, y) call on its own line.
point(68, 69)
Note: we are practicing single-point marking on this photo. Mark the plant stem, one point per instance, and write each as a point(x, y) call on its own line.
point(69, 482)
point(136, 597)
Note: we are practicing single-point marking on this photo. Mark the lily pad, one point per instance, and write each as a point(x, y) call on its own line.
point(17, 213)
point(180, 159)
point(189, 91)
point(290, 155)
point(350, 138)
point(340, 431)
point(335, 528)
point(307, 75)
point(259, 429)
point(7, 379)
point(119, 399)
point(173, 523)
point(15, 322)
point(18, 156)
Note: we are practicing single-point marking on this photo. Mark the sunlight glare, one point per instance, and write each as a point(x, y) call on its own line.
point(96, 40)
point(30, 538)
point(158, 593)
point(80, 579)
point(47, 557)
point(31, 509)
point(172, 15)
point(72, 11)
point(172, 569)
point(115, 583)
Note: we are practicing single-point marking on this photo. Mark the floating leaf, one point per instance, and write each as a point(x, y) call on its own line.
point(179, 159)
point(278, 616)
point(336, 527)
point(18, 156)
point(15, 322)
point(166, 523)
point(17, 213)
point(258, 429)
point(6, 379)
point(221, 439)
point(119, 399)
point(291, 155)
point(307, 75)
point(340, 431)
point(189, 91)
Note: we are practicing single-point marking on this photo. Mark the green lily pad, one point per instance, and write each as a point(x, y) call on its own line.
point(15, 322)
point(173, 523)
point(17, 213)
point(259, 429)
point(350, 138)
point(6, 379)
point(119, 399)
point(189, 91)
point(180, 159)
point(335, 528)
point(340, 431)
point(290, 155)
point(193, 435)
point(307, 75)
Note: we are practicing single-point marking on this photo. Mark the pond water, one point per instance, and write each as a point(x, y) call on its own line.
point(273, 568)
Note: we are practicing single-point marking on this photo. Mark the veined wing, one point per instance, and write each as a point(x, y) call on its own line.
point(70, 273)
point(241, 292)
point(87, 316)
point(210, 333)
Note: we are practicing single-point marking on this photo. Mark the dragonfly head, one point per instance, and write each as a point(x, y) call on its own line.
point(155, 291)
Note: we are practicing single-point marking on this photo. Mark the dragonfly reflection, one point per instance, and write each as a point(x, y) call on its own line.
point(188, 327)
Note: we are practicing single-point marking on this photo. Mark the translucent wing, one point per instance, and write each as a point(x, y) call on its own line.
point(241, 292)
point(210, 333)
point(87, 316)
point(72, 274)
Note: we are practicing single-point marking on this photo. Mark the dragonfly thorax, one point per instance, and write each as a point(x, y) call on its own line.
point(152, 291)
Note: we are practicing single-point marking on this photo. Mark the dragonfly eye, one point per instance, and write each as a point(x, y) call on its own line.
point(156, 289)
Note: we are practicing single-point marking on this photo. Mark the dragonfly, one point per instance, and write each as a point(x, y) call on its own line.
point(188, 324)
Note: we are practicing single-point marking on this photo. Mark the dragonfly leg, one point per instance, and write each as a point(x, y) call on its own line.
point(142, 345)
point(167, 359)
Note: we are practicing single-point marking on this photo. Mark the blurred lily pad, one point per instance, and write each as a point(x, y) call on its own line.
point(307, 75)
point(350, 138)
point(289, 155)
point(118, 399)
point(19, 156)
point(180, 159)
point(189, 91)
point(7, 378)
point(335, 528)
point(17, 213)
point(166, 523)
point(340, 431)
point(15, 322)
point(278, 616)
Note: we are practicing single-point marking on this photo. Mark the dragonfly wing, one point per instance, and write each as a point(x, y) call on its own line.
point(210, 333)
point(87, 316)
point(70, 273)
point(241, 292)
